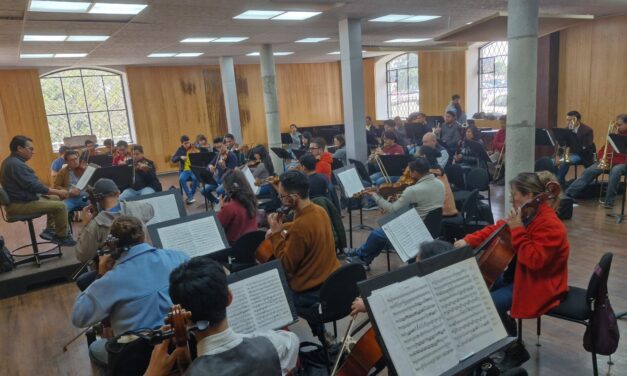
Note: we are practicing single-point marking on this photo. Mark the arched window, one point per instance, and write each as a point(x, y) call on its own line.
point(402, 85)
point(493, 78)
point(85, 102)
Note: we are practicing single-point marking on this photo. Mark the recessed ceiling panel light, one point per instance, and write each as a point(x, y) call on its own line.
point(258, 14)
point(406, 40)
point(189, 54)
point(36, 56)
point(334, 53)
point(298, 16)
point(391, 18)
point(311, 40)
point(197, 40)
point(44, 38)
point(162, 54)
point(70, 55)
point(112, 8)
point(230, 39)
point(87, 38)
point(420, 18)
point(275, 53)
point(58, 6)
point(253, 54)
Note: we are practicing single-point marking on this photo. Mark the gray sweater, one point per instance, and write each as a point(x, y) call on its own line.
point(451, 134)
point(427, 194)
point(19, 180)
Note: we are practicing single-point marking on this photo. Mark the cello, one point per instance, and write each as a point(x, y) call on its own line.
point(364, 355)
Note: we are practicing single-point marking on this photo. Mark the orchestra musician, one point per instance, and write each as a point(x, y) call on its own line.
point(318, 183)
point(401, 132)
point(498, 143)
point(538, 279)
point(181, 156)
point(426, 194)
point(233, 147)
point(109, 148)
point(340, 149)
point(58, 163)
point(432, 155)
point(262, 168)
point(90, 147)
point(419, 119)
point(466, 157)
point(68, 176)
point(390, 147)
point(131, 288)
point(145, 180)
point(296, 137)
point(238, 208)
point(617, 170)
point(305, 246)
point(431, 140)
point(202, 144)
point(28, 195)
point(120, 157)
point(585, 135)
point(223, 161)
point(373, 134)
point(200, 286)
point(324, 159)
point(450, 132)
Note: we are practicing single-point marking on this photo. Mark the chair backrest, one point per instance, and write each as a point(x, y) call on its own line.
point(339, 290)
point(470, 207)
point(337, 163)
point(478, 178)
point(455, 176)
point(598, 280)
point(544, 164)
point(243, 251)
point(361, 169)
point(4, 197)
point(433, 222)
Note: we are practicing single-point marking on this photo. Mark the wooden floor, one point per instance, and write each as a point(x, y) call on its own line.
point(34, 326)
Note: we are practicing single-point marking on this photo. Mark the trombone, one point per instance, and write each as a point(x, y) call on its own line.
point(604, 164)
point(382, 168)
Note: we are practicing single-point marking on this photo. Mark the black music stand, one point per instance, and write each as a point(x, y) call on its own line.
point(205, 177)
point(543, 137)
point(121, 175)
point(415, 132)
point(619, 144)
point(101, 160)
point(299, 153)
point(283, 154)
point(286, 138)
point(433, 121)
point(394, 164)
point(201, 159)
point(567, 138)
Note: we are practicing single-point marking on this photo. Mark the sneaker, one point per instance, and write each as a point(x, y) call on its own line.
point(47, 234)
point(370, 207)
point(605, 204)
point(190, 201)
point(67, 241)
point(350, 252)
point(358, 260)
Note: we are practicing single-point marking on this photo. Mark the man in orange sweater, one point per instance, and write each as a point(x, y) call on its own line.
point(305, 246)
point(324, 158)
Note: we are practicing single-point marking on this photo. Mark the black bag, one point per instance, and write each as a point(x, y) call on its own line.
point(7, 262)
point(312, 362)
point(565, 208)
point(603, 327)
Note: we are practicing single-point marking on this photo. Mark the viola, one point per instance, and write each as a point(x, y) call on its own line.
point(177, 319)
point(265, 251)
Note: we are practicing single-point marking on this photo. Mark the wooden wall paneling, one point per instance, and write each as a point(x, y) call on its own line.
point(547, 81)
point(369, 87)
point(250, 101)
point(214, 97)
point(441, 74)
point(24, 112)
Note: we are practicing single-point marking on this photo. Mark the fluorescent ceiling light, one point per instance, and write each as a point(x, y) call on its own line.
point(311, 40)
point(258, 14)
point(188, 54)
point(113, 8)
point(197, 40)
point(406, 40)
point(420, 18)
point(230, 39)
point(391, 18)
point(87, 38)
point(58, 6)
point(35, 56)
point(338, 52)
point(70, 55)
point(44, 38)
point(162, 54)
point(299, 16)
point(275, 53)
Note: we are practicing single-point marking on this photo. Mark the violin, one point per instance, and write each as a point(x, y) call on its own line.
point(177, 319)
point(265, 251)
point(274, 180)
point(253, 163)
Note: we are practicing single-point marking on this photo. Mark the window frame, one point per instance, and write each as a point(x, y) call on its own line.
point(495, 94)
point(407, 67)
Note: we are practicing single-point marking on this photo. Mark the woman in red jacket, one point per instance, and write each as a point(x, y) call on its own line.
point(238, 210)
point(538, 279)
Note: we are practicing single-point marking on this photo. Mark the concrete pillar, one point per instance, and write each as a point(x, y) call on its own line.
point(522, 60)
point(271, 103)
point(229, 89)
point(353, 89)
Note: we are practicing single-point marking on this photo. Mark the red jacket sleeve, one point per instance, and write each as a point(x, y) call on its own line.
point(323, 167)
point(535, 252)
point(476, 238)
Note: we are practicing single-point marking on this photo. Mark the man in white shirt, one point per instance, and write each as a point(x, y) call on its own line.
point(431, 140)
point(200, 286)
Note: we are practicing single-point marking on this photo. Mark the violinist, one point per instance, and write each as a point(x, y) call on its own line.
point(120, 157)
point(200, 286)
point(58, 163)
point(238, 208)
point(426, 194)
point(223, 161)
point(262, 168)
point(68, 176)
point(390, 147)
point(131, 286)
point(202, 144)
point(450, 132)
point(536, 280)
point(181, 156)
point(324, 159)
point(432, 155)
point(340, 148)
point(233, 147)
point(145, 179)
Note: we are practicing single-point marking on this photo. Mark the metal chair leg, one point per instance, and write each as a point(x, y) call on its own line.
point(519, 340)
point(538, 331)
point(595, 369)
point(609, 361)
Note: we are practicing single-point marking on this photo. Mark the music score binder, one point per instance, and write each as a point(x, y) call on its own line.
point(434, 317)
point(167, 205)
point(261, 299)
point(201, 159)
point(121, 175)
point(567, 138)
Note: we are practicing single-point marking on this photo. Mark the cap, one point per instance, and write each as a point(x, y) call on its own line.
point(105, 186)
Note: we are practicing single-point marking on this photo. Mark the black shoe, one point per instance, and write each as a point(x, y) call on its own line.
point(47, 234)
point(358, 260)
point(516, 355)
point(66, 241)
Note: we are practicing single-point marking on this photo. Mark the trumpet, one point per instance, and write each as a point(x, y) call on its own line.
point(604, 163)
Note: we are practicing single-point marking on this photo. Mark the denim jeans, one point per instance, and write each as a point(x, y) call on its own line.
point(75, 203)
point(183, 177)
point(373, 246)
point(590, 173)
point(564, 167)
point(502, 293)
point(208, 188)
point(99, 355)
point(378, 179)
point(306, 300)
point(130, 192)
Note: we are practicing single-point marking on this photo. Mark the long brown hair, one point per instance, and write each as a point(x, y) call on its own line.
point(238, 189)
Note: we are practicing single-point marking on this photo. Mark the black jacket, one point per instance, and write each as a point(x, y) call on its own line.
point(19, 180)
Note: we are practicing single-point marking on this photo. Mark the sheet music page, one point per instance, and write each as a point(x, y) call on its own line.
point(467, 307)
point(413, 329)
point(351, 182)
point(406, 232)
point(84, 179)
point(196, 238)
point(251, 179)
point(165, 208)
point(611, 142)
point(259, 303)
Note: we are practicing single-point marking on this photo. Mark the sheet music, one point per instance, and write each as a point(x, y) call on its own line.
point(414, 332)
point(259, 303)
point(165, 208)
point(251, 179)
point(406, 232)
point(611, 142)
point(195, 238)
point(351, 182)
point(89, 172)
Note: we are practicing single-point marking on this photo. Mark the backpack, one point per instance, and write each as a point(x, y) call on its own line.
point(312, 360)
point(7, 262)
point(603, 325)
point(565, 209)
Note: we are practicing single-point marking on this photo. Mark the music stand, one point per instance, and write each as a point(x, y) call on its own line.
point(543, 137)
point(434, 120)
point(619, 144)
point(567, 138)
point(101, 160)
point(201, 159)
point(122, 176)
point(394, 164)
point(286, 138)
point(299, 153)
point(361, 226)
point(167, 205)
point(283, 154)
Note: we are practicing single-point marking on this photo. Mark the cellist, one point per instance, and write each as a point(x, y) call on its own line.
point(536, 279)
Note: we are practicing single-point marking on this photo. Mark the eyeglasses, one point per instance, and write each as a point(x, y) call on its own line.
point(29, 148)
point(281, 197)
